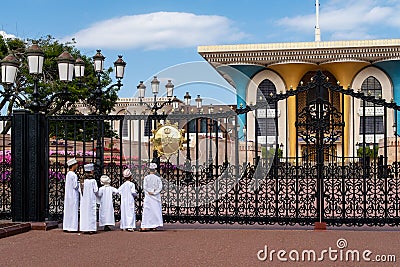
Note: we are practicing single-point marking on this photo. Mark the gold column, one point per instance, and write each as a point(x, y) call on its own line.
point(345, 73)
point(291, 74)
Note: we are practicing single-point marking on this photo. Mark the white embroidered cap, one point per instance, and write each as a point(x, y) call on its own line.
point(152, 166)
point(89, 167)
point(71, 162)
point(105, 180)
point(127, 173)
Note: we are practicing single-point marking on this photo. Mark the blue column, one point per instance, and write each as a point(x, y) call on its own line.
point(241, 76)
point(392, 68)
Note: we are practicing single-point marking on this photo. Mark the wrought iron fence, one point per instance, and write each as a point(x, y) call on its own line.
point(5, 168)
point(224, 175)
point(270, 190)
point(127, 145)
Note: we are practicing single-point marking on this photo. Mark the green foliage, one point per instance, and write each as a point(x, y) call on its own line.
point(80, 91)
point(3, 47)
point(80, 130)
point(369, 152)
point(270, 153)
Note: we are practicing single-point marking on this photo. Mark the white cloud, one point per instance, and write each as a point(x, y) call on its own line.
point(351, 19)
point(6, 35)
point(158, 30)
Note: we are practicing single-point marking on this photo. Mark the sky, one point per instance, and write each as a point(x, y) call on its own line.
point(160, 37)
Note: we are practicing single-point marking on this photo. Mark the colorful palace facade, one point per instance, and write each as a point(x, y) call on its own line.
point(372, 66)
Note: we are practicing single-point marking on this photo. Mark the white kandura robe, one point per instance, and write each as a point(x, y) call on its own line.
point(128, 216)
point(71, 202)
point(152, 210)
point(106, 210)
point(88, 206)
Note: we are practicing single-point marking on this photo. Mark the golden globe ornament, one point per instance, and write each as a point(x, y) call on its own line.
point(168, 139)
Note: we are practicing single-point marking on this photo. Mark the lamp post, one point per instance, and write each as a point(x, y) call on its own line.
point(155, 87)
point(395, 146)
point(245, 141)
point(35, 57)
point(268, 148)
point(30, 185)
point(210, 156)
point(157, 105)
point(187, 99)
point(98, 65)
point(30, 170)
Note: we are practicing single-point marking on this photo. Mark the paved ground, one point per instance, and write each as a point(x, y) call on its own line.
point(196, 245)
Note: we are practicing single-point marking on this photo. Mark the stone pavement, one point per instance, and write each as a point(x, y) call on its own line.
point(203, 245)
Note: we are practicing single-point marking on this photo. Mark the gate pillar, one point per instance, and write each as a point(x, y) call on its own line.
point(30, 171)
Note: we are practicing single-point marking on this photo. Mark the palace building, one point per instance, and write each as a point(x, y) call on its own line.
point(370, 66)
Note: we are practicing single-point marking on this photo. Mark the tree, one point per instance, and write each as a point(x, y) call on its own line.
point(79, 91)
point(369, 152)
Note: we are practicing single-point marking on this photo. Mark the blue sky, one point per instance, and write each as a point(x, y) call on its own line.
point(156, 35)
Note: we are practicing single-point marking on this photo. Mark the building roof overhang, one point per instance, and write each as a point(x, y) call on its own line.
point(369, 51)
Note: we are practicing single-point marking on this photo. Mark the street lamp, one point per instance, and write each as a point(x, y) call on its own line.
point(79, 68)
point(98, 64)
point(187, 98)
point(175, 103)
point(35, 56)
point(155, 87)
point(199, 103)
point(66, 65)
point(98, 61)
point(9, 69)
point(156, 105)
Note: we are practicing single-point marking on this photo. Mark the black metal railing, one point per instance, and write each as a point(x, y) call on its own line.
point(227, 177)
point(5, 168)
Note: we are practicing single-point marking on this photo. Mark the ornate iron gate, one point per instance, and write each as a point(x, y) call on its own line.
point(324, 184)
point(227, 177)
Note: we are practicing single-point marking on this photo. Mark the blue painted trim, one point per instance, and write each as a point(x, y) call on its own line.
point(392, 68)
point(240, 75)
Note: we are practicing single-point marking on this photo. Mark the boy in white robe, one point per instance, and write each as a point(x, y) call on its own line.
point(128, 193)
point(71, 198)
point(152, 209)
point(88, 219)
point(105, 196)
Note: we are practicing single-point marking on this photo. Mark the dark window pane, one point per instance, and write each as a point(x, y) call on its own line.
point(265, 89)
point(373, 125)
point(125, 132)
point(147, 128)
point(203, 126)
point(266, 127)
point(371, 86)
point(192, 126)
